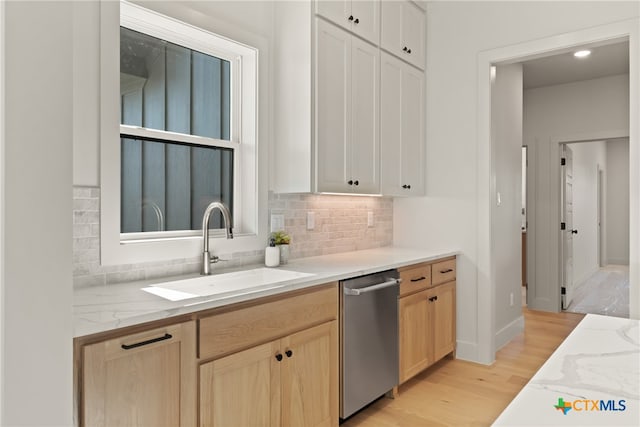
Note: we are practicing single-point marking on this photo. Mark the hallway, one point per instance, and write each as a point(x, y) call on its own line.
point(606, 292)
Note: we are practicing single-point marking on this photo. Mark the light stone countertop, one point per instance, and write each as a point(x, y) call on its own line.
point(105, 308)
point(598, 361)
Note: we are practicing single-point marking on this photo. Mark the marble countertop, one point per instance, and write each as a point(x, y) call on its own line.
point(105, 308)
point(597, 366)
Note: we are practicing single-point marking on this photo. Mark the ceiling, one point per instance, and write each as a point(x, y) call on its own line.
point(607, 60)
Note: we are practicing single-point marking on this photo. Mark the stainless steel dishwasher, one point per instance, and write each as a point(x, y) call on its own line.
point(369, 343)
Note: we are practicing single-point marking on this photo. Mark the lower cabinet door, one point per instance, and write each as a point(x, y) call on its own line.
point(444, 320)
point(310, 377)
point(415, 335)
point(144, 379)
point(242, 389)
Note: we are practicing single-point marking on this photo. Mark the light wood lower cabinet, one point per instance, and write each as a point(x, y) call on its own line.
point(427, 326)
point(416, 344)
point(443, 319)
point(143, 379)
point(287, 382)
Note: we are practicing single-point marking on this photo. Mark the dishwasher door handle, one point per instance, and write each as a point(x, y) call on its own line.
point(387, 284)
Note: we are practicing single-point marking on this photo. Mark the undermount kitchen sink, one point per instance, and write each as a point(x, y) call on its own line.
point(254, 280)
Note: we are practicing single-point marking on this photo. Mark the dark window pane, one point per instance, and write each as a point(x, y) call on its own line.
point(167, 186)
point(165, 86)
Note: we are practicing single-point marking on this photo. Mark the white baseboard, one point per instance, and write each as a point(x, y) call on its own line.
point(618, 261)
point(506, 334)
point(466, 350)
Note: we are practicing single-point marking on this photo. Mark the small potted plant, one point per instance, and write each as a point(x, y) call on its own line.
point(282, 240)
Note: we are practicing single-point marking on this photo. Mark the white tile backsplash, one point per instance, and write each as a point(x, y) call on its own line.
point(340, 226)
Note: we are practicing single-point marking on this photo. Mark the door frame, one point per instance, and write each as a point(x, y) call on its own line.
point(560, 142)
point(486, 302)
point(601, 214)
point(562, 233)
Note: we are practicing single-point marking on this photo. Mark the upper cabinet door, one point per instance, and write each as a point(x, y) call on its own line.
point(401, 128)
point(413, 140)
point(414, 33)
point(362, 17)
point(366, 20)
point(403, 31)
point(365, 101)
point(391, 149)
point(333, 108)
point(337, 11)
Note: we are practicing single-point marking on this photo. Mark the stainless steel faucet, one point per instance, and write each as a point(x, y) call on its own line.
point(228, 225)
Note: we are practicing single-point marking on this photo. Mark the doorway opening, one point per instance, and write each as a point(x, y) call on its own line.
point(595, 215)
point(543, 272)
point(566, 101)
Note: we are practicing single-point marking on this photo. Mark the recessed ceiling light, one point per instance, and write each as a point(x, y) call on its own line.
point(582, 53)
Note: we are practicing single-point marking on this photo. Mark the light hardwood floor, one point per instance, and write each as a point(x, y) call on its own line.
point(459, 393)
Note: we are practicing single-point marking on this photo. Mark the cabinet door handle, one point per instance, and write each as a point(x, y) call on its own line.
point(357, 21)
point(418, 279)
point(289, 353)
point(409, 51)
point(350, 182)
point(405, 49)
point(356, 182)
point(435, 298)
point(432, 299)
point(407, 186)
point(350, 18)
point(448, 270)
point(147, 342)
point(279, 357)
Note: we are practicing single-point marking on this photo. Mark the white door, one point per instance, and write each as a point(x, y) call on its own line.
point(333, 107)
point(568, 231)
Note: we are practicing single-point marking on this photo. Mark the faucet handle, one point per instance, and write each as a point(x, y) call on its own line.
point(214, 259)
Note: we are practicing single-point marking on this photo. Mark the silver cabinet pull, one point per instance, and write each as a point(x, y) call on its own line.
point(387, 284)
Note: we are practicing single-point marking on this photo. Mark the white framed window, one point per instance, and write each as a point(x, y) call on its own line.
point(180, 132)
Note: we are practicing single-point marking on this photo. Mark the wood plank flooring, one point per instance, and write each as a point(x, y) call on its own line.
point(459, 393)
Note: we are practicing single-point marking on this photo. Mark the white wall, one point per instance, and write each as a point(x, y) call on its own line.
point(37, 353)
point(588, 157)
point(576, 111)
point(457, 32)
point(506, 154)
point(618, 202)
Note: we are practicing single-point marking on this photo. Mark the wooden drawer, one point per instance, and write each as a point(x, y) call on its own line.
point(415, 278)
point(241, 328)
point(443, 271)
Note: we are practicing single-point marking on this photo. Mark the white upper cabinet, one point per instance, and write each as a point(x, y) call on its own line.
point(362, 17)
point(326, 103)
point(346, 105)
point(404, 31)
point(402, 131)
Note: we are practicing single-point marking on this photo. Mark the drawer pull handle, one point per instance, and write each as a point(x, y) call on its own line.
point(147, 342)
point(279, 357)
point(448, 270)
point(289, 353)
point(418, 279)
